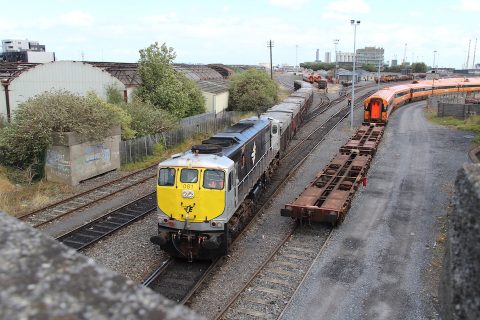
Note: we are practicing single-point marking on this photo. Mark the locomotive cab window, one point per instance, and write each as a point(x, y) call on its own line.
point(213, 179)
point(189, 176)
point(166, 177)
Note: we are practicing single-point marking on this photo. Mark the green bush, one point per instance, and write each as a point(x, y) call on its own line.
point(146, 119)
point(252, 90)
point(23, 143)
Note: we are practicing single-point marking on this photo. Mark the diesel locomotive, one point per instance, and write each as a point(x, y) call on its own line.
point(206, 195)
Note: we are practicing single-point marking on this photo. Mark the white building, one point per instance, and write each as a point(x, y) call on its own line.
point(344, 56)
point(14, 50)
point(24, 81)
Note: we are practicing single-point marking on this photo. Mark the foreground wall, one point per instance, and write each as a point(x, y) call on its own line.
point(42, 279)
point(460, 285)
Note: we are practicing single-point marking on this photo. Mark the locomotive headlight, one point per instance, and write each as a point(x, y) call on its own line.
point(216, 223)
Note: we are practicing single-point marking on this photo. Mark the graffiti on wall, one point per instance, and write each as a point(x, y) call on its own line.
point(97, 152)
point(57, 162)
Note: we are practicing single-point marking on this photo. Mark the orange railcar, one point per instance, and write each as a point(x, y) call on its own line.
point(377, 107)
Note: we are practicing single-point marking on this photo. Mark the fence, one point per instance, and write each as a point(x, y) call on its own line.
point(460, 111)
point(137, 149)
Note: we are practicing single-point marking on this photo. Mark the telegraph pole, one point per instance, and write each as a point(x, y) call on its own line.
point(270, 45)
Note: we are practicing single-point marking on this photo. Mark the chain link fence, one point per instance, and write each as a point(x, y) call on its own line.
point(136, 150)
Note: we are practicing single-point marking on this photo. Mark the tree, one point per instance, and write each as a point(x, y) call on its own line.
point(369, 67)
point(252, 90)
point(146, 119)
point(163, 87)
point(419, 67)
point(317, 65)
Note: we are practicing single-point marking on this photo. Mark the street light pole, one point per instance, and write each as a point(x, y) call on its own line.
point(354, 23)
point(296, 57)
point(433, 69)
point(335, 42)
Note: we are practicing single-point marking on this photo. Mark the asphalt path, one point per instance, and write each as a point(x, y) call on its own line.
point(378, 263)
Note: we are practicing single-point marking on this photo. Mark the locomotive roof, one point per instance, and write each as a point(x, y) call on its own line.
point(188, 159)
point(299, 100)
point(234, 137)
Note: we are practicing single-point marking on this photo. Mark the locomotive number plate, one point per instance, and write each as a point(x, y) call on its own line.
point(189, 194)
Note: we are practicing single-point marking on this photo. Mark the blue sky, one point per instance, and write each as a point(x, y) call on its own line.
point(236, 32)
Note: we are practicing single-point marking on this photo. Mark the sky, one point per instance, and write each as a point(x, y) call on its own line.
point(237, 32)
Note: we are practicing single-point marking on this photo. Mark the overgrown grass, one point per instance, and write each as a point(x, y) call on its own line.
point(470, 124)
point(283, 94)
point(19, 196)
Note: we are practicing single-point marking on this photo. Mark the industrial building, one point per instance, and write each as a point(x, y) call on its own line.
point(25, 51)
point(21, 81)
point(370, 55)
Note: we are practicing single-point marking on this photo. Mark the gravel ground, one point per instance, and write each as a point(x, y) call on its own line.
point(252, 247)
point(378, 263)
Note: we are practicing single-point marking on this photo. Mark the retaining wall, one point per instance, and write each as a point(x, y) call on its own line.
point(43, 279)
point(460, 285)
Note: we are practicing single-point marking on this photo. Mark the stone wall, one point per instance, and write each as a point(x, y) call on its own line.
point(43, 279)
point(71, 159)
point(460, 286)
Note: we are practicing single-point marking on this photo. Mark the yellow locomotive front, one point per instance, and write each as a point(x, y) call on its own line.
point(195, 201)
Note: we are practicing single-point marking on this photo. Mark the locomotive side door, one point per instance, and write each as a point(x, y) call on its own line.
point(275, 136)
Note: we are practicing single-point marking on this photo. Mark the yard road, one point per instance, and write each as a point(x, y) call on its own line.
point(383, 261)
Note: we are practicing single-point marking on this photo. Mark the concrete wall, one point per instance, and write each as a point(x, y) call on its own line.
point(71, 159)
point(42, 279)
point(460, 285)
point(460, 111)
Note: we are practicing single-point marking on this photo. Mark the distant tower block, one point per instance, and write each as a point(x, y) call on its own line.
point(327, 57)
point(317, 55)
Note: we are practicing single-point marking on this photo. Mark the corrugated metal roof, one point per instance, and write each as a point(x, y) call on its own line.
point(213, 86)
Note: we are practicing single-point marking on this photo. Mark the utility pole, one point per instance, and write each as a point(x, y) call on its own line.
point(474, 52)
point(404, 54)
point(296, 57)
point(468, 54)
point(270, 45)
point(380, 61)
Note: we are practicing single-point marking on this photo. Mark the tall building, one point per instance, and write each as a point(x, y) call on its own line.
point(344, 56)
point(327, 57)
point(394, 62)
point(317, 55)
point(370, 55)
point(25, 51)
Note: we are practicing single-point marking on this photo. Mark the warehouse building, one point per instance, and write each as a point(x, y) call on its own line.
point(21, 81)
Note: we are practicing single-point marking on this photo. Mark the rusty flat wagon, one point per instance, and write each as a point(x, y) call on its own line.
point(328, 197)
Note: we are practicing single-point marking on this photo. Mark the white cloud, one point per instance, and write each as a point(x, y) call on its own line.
point(77, 19)
point(469, 5)
point(289, 4)
point(348, 6)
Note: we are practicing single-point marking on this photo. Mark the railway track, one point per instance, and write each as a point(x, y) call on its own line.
point(92, 232)
point(270, 289)
point(178, 279)
point(176, 289)
point(79, 201)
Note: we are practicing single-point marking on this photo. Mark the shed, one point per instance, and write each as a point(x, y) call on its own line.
point(21, 82)
point(216, 94)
